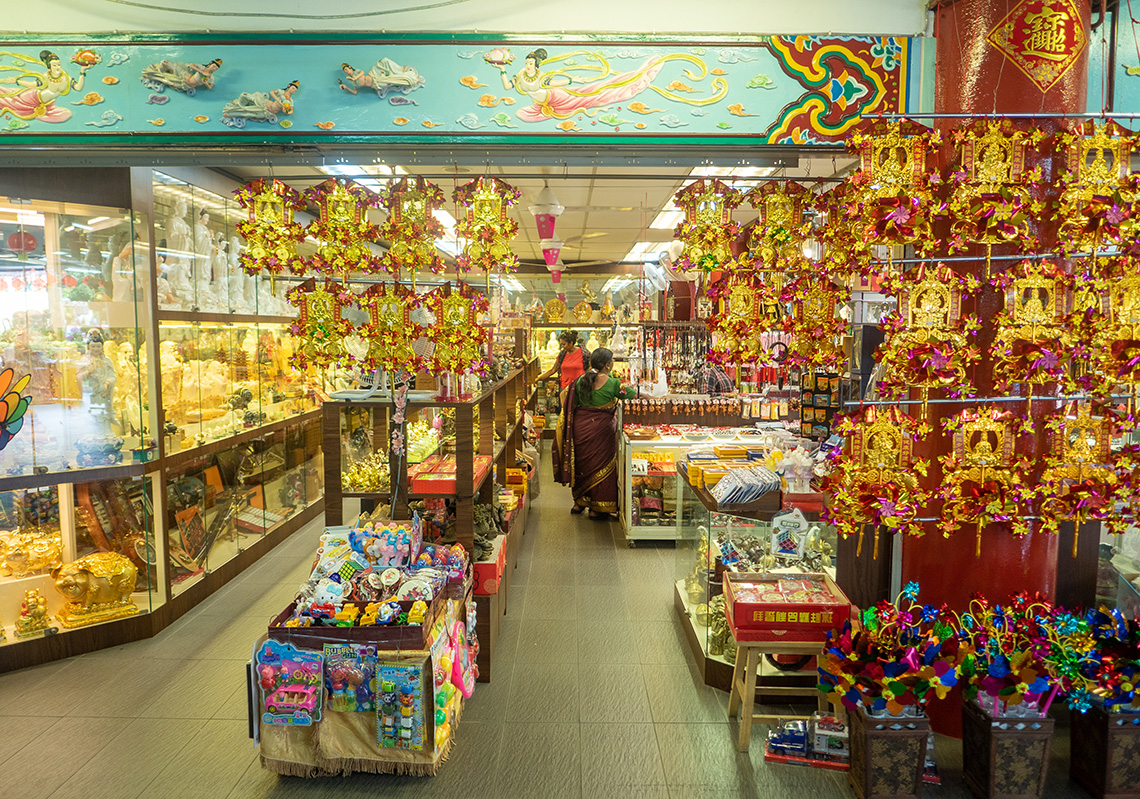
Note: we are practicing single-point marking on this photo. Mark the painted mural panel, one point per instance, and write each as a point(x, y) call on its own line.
point(802, 89)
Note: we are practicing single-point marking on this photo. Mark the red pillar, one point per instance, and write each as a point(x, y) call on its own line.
point(998, 56)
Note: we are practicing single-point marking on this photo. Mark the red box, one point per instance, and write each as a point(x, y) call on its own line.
point(488, 573)
point(434, 483)
point(780, 619)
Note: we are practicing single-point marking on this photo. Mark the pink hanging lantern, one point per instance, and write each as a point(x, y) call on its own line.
point(546, 210)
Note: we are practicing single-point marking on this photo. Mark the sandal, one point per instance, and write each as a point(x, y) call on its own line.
point(577, 509)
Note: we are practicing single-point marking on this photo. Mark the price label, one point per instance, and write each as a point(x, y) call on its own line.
point(640, 467)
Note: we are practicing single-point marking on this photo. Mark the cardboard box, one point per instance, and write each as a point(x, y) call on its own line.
point(783, 619)
point(489, 573)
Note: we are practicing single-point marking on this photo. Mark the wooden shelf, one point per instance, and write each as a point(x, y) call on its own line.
point(223, 318)
point(68, 476)
point(183, 456)
point(475, 399)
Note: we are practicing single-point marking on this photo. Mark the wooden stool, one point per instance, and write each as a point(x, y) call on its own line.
point(742, 697)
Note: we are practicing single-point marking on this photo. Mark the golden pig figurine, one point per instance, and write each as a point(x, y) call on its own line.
point(98, 588)
point(24, 553)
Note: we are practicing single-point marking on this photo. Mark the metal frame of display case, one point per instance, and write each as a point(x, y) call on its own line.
point(635, 533)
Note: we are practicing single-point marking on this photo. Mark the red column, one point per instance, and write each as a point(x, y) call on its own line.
point(1002, 56)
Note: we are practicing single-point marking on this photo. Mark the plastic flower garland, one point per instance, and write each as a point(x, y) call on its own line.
point(991, 202)
point(1034, 341)
point(1024, 653)
point(1079, 481)
point(876, 480)
point(983, 481)
point(486, 226)
point(320, 329)
point(1097, 205)
point(458, 338)
point(893, 189)
point(707, 230)
point(390, 332)
point(813, 325)
point(411, 228)
point(905, 655)
point(271, 234)
point(927, 343)
point(782, 226)
point(342, 229)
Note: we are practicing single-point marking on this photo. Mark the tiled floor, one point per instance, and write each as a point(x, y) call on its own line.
point(595, 695)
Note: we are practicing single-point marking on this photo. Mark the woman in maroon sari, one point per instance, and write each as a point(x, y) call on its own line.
point(585, 442)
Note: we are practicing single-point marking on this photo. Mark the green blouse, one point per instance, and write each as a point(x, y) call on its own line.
point(611, 390)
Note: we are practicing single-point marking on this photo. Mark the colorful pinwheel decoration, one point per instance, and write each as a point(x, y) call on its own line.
point(13, 405)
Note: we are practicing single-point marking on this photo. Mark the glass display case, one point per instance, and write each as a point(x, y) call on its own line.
point(711, 543)
point(650, 493)
point(73, 291)
point(67, 546)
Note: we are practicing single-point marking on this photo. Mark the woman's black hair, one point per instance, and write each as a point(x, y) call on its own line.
point(47, 56)
point(539, 55)
point(568, 336)
point(296, 84)
point(217, 61)
point(599, 360)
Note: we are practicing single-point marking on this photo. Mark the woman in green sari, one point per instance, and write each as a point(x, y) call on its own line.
point(585, 442)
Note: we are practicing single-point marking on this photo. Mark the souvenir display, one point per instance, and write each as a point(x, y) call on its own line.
point(292, 687)
point(411, 228)
point(33, 618)
point(345, 236)
point(707, 230)
point(97, 588)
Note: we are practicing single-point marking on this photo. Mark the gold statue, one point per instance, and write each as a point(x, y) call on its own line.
point(98, 588)
point(33, 615)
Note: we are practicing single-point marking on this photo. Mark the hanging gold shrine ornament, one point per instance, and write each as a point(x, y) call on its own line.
point(893, 190)
point(845, 251)
point(707, 230)
point(813, 325)
point(990, 202)
point(782, 226)
point(342, 230)
point(390, 333)
point(486, 226)
point(983, 481)
point(1079, 481)
point(738, 317)
point(411, 228)
point(1115, 345)
point(1097, 204)
point(458, 337)
point(271, 234)
point(876, 479)
point(927, 341)
point(1034, 342)
point(320, 328)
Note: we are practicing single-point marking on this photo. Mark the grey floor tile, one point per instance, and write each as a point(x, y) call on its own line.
point(612, 694)
point(543, 641)
point(595, 570)
point(677, 695)
point(607, 641)
point(21, 732)
point(117, 688)
point(488, 705)
point(209, 765)
point(544, 692)
point(235, 706)
point(703, 755)
point(601, 602)
point(49, 761)
point(619, 756)
point(549, 761)
point(550, 603)
point(35, 691)
point(474, 761)
point(147, 745)
point(660, 641)
point(194, 689)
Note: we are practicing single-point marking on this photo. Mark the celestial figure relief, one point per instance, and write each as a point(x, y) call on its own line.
point(260, 106)
point(384, 78)
point(180, 76)
point(34, 93)
point(561, 86)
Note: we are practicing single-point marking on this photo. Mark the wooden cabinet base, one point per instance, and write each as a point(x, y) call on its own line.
point(887, 755)
point(1105, 754)
point(1004, 757)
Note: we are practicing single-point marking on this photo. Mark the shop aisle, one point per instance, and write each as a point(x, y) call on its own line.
point(594, 696)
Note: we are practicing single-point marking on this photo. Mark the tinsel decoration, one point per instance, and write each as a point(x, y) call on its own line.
point(893, 191)
point(1079, 481)
point(271, 234)
point(342, 229)
point(876, 479)
point(1097, 204)
point(928, 341)
point(815, 329)
point(458, 338)
point(411, 228)
point(1114, 348)
point(486, 226)
point(983, 480)
point(390, 333)
point(782, 225)
point(707, 230)
point(739, 321)
point(845, 250)
point(1034, 341)
point(990, 202)
point(320, 329)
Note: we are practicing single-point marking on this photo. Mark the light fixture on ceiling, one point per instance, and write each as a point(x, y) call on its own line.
point(546, 210)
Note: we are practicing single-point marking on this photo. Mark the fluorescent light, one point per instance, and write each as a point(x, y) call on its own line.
point(667, 219)
point(452, 248)
point(97, 220)
point(646, 251)
point(443, 216)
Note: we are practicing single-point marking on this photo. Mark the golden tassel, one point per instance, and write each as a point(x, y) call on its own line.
point(1076, 532)
point(875, 554)
point(989, 252)
point(859, 546)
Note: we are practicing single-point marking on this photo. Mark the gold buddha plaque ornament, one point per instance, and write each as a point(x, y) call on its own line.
point(707, 230)
point(271, 233)
point(343, 233)
point(411, 228)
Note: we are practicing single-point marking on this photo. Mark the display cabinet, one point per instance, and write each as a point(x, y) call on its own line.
point(650, 495)
point(711, 542)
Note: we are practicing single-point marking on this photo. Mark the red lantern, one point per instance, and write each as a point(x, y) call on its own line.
point(22, 243)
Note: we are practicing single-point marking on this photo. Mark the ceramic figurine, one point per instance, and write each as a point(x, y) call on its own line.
point(22, 554)
point(34, 93)
point(180, 76)
point(384, 78)
point(96, 371)
point(123, 274)
point(98, 588)
point(260, 106)
point(33, 617)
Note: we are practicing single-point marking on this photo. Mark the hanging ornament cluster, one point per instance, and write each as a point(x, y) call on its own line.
point(387, 340)
point(876, 479)
point(486, 226)
point(459, 341)
point(991, 200)
point(411, 228)
point(342, 230)
point(780, 233)
point(1097, 205)
point(707, 230)
point(271, 233)
point(928, 340)
point(740, 324)
point(814, 328)
point(320, 328)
